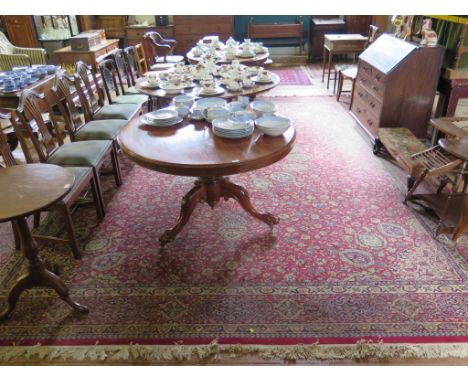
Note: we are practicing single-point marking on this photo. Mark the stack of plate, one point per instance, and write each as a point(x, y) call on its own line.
point(273, 125)
point(210, 92)
point(161, 118)
point(226, 128)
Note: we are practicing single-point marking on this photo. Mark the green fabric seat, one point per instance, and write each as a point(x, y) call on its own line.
point(138, 99)
point(132, 90)
point(100, 130)
point(85, 153)
point(117, 111)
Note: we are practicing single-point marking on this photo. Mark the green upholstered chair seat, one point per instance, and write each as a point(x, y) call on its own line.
point(132, 90)
point(85, 153)
point(170, 59)
point(117, 111)
point(99, 130)
point(138, 99)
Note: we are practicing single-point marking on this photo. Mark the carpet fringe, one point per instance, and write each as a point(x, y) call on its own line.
point(147, 353)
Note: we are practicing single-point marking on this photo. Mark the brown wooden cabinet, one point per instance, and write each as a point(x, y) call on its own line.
point(188, 30)
point(395, 86)
point(358, 24)
point(318, 27)
point(113, 25)
point(134, 34)
point(20, 30)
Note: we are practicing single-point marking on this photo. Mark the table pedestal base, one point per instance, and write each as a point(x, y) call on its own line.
point(37, 275)
point(211, 190)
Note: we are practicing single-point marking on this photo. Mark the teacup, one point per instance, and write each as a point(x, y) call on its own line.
point(207, 84)
point(235, 106)
point(215, 112)
point(197, 113)
point(152, 78)
point(183, 100)
point(233, 86)
point(247, 83)
point(182, 111)
point(264, 75)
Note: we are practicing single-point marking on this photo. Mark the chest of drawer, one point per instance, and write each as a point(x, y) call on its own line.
point(376, 88)
point(367, 119)
point(373, 105)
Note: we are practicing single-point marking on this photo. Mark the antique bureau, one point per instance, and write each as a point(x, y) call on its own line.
point(395, 86)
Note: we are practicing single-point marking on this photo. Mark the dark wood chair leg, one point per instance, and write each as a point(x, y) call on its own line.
point(66, 213)
point(97, 199)
point(116, 164)
point(352, 93)
point(99, 188)
point(340, 86)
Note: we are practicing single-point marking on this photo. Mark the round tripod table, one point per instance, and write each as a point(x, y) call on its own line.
point(25, 189)
point(191, 149)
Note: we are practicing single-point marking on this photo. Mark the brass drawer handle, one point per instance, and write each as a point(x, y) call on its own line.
point(369, 121)
point(375, 88)
point(372, 104)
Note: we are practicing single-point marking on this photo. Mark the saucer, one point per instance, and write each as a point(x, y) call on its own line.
point(216, 91)
point(262, 80)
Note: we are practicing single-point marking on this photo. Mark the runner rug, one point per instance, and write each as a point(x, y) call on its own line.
point(292, 75)
point(349, 272)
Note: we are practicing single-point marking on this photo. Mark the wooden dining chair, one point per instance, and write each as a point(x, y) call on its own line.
point(90, 153)
point(131, 59)
point(124, 72)
point(92, 97)
point(114, 87)
point(351, 69)
point(84, 180)
point(78, 130)
point(159, 50)
point(142, 61)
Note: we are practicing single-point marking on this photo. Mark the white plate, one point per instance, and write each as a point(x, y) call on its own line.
point(10, 91)
point(229, 136)
point(145, 121)
point(217, 91)
point(161, 115)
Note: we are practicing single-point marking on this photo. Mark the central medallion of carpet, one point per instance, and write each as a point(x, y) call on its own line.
point(347, 262)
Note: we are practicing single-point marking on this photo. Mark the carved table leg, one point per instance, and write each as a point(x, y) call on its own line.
point(37, 274)
point(210, 190)
point(231, 190)
point(190, 200)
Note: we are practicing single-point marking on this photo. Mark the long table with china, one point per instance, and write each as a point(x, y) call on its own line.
point(194, 149)
point(258, 59)
point(25, 189)
point(195, 88)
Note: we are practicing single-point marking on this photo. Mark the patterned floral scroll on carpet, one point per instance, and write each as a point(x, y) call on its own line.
point(292, 75)
point(347, 261)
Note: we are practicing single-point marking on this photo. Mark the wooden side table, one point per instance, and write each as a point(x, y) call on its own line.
point(335, 44)
point(67, 56)
point(318, 27)
point(25, 189)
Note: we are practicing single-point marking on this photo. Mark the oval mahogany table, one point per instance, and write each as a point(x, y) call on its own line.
point(191, 149)
point(25, 189)
point(250, 92)
point(258, 59)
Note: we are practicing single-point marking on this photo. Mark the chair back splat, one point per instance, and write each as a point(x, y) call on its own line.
point(5, 151)
point(30, 111)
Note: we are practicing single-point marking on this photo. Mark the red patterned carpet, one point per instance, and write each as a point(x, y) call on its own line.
point(293, 75)
point(348, 260)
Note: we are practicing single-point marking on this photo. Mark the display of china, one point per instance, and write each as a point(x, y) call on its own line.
point(152, 78)
point(235, 64)
point(259, 48)
point(213, 112)
point(246, 51)
point(263, 107)
point(248, 42)
point(179, 67)
point(273, 125)
point(197, 52)
point(231, 42)
point(183, 100)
